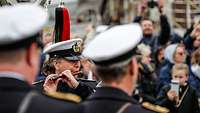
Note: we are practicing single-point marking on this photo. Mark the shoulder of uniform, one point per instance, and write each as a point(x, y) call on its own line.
point(64, 96)
point(155, 108)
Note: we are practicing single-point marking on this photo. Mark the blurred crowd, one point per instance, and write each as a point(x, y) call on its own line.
point(162, 58)
point(156, 56)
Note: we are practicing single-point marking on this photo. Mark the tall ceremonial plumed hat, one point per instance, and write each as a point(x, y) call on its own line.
point(63, 46)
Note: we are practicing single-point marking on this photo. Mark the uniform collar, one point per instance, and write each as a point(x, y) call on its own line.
point(13, 84)
point(110, 93)
point(9, 74)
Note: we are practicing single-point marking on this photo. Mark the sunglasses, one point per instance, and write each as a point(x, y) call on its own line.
point(197, 39)
point(181, 53)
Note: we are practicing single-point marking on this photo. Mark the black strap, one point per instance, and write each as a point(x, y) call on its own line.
point(26, 102)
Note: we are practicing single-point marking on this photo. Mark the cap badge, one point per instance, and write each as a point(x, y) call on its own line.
point(76, 48)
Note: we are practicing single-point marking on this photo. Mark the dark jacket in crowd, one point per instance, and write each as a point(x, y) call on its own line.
point(188, 42)
point(194, 81)
point(13, 91)
point(189, 103)
point(174, 38)
point(110, 100)
point(147, 82)
point(159, 65)
point(165, 75)
point(41, 75)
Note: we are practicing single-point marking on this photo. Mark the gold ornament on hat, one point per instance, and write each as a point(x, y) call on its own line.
point(76, 48)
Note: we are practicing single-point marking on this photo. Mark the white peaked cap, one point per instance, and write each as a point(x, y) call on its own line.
point(20, 22)
point(70, 49)
point(115, 45)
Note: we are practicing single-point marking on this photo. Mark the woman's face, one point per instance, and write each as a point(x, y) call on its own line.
point(180, 55)
point(63, 64)
point(196, 42)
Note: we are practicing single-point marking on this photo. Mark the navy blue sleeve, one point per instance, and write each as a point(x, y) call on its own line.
point(164, 36)
point(83, 90)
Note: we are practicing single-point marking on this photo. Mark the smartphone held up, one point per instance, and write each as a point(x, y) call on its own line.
point(175, 86)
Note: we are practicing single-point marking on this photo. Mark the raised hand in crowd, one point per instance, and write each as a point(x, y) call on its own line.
point(142, 7)
point(196, 31)
point(160, 6)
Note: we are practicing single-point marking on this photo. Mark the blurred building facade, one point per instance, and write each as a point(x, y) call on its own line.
point(181, 13)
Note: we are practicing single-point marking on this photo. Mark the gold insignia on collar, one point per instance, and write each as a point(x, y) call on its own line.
point(64, 96)
point(76, 48)
point(155, 108)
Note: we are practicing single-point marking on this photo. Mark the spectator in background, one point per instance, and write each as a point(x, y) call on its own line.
point(174, 53)
point(147, 79)
point(148, 28)
point(192, 40)
point(159, 60)
point(47, 39)
point(86, 68)
point(186, 101)
point(194, 78)
point(117, 68)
